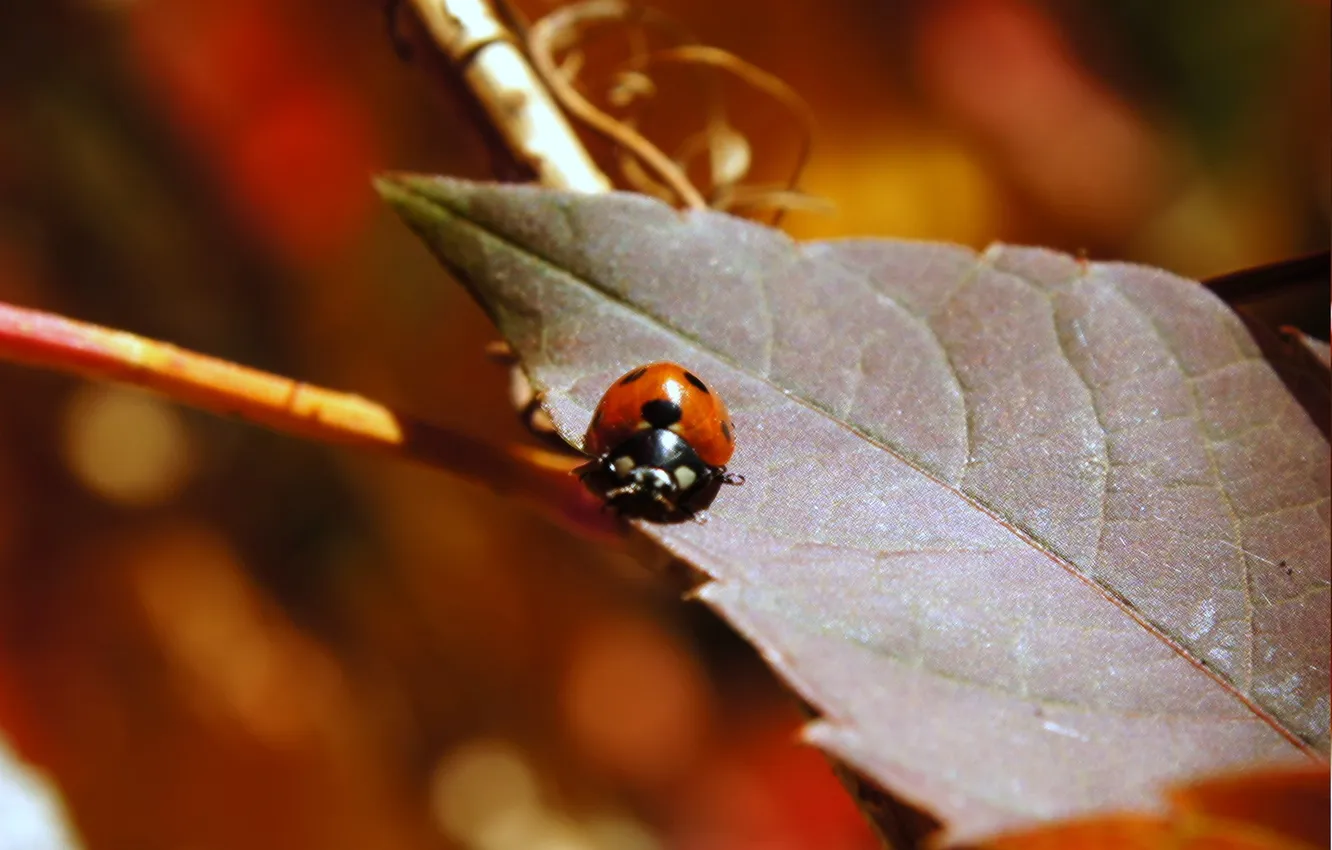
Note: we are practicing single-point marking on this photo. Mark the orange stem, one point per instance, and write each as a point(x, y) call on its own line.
point(282, 404)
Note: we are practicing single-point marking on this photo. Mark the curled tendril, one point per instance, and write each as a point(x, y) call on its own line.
point(769, 84)
point(643, 165)
point(559, 31)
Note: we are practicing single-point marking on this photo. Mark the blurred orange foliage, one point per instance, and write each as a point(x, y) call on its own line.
point(254, 89)
point(1266, 810)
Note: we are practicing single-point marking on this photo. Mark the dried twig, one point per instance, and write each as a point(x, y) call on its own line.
point(535, 129)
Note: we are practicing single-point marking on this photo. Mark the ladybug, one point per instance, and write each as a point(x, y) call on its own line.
point(658, 440)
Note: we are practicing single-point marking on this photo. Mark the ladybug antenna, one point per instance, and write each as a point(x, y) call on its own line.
point(732, 478)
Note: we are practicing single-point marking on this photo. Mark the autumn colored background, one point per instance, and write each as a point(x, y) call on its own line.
point(212, 636)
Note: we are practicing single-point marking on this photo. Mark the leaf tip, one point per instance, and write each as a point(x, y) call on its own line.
point(422, 201)
point(395, 186)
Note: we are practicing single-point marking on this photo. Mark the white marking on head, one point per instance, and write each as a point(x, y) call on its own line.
point(685, 477)
point(622, 466)
point(658, 478)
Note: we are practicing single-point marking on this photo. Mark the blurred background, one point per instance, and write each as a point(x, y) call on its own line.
point(215, 637)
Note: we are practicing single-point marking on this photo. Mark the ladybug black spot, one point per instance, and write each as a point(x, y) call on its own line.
point(661, 413)
point(694, 379)
point(726, 431)
point(633, 376)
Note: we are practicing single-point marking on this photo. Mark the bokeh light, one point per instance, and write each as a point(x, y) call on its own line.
point(128, 447)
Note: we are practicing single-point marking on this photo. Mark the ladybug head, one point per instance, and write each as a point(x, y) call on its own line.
point(653, 481)
point(654, 472)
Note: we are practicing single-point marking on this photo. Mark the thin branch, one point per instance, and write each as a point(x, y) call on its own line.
point(729, 198)
point(282, 404)
point(519, 106)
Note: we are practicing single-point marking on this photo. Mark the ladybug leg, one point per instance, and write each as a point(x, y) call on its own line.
point(672, 508)
point(586, 469)
point(732, 478)
point(620, 492)
point(610, 497)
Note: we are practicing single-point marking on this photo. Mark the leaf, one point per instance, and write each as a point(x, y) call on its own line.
point(1033, 536)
